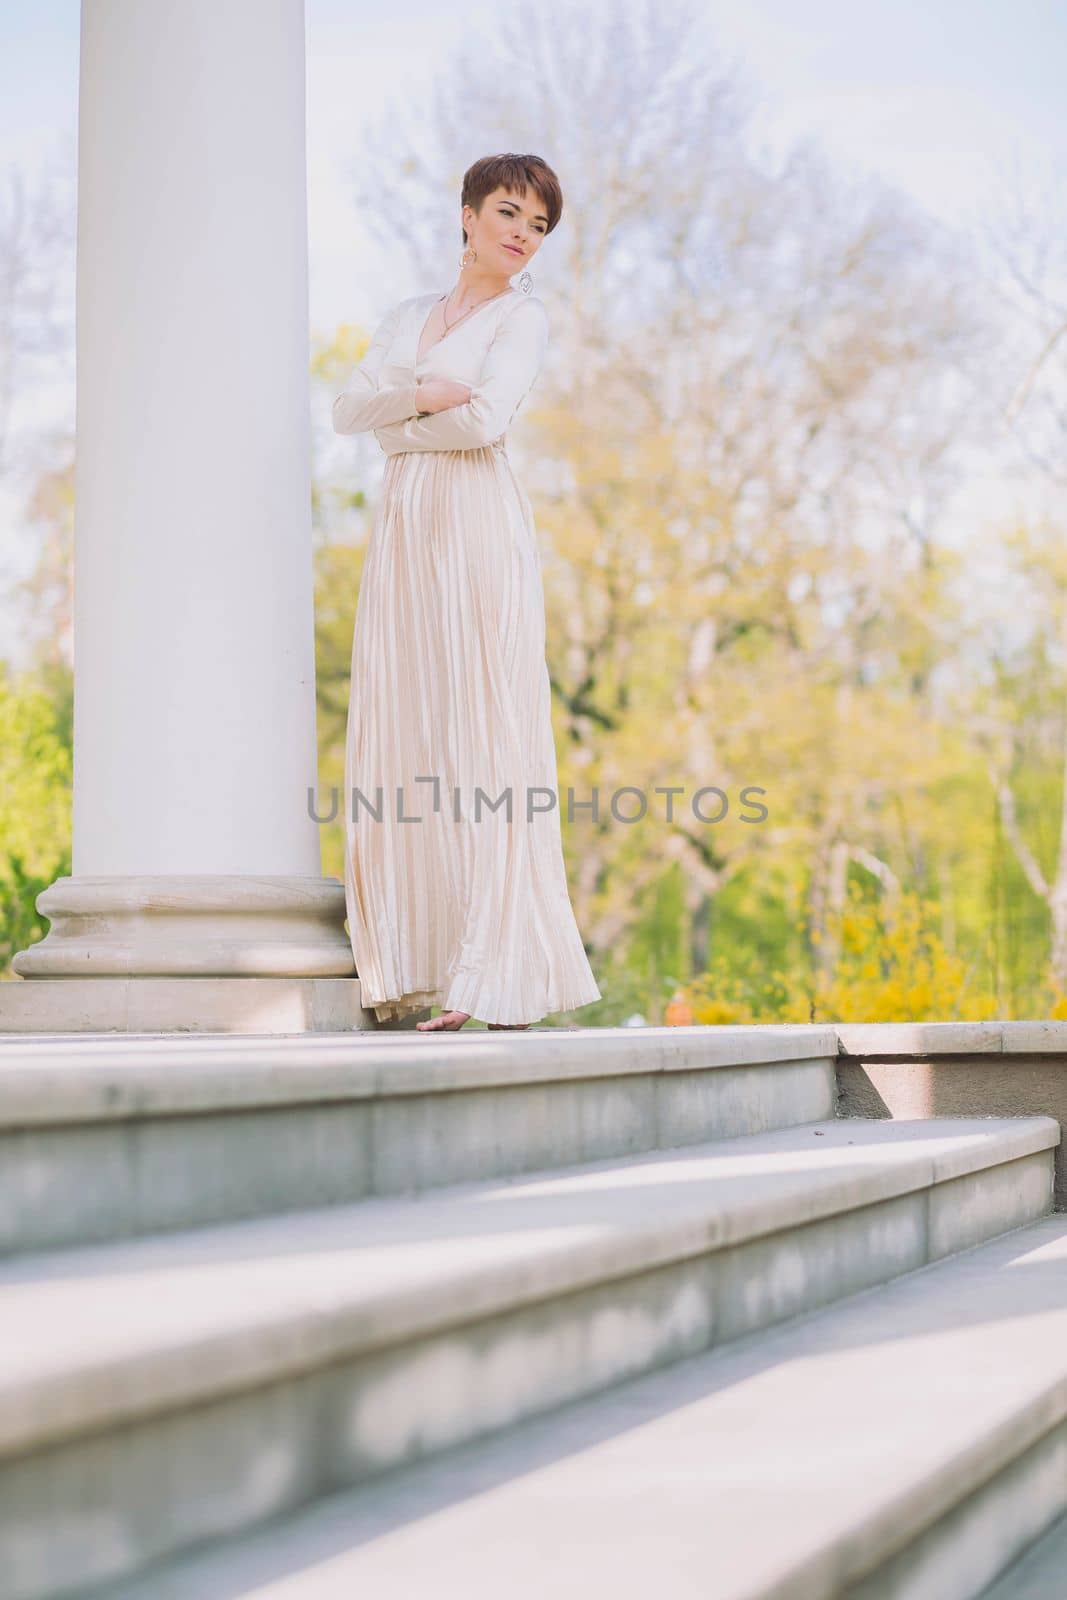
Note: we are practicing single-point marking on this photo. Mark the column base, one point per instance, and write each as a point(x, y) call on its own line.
point(190, 1005)
point(190, 926)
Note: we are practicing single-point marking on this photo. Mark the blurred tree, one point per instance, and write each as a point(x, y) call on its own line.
point(764, 387)
point(36, 284)
point(35, 809)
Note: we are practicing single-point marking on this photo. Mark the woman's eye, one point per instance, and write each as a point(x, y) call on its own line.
point(510, 214)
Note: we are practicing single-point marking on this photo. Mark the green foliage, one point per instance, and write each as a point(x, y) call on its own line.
point(35, 803)
point(893, 966)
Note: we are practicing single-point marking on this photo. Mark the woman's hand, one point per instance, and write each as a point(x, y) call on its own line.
point(441, 394)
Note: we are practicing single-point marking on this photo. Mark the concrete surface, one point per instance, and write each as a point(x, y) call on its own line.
point(158, 1391)
point(829, 1457)
point(99, 1138)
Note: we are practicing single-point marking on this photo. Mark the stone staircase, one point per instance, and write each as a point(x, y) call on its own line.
point(482, 1315)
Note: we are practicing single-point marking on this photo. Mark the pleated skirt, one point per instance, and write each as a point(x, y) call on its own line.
point(455, 881)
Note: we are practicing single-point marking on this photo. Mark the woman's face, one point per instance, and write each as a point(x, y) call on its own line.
point(508, 231)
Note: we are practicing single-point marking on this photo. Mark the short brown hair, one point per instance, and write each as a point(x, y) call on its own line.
point(512, 172)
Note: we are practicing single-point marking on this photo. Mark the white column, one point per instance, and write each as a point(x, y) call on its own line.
point(194, 715)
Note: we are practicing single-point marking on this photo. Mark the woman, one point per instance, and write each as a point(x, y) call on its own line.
point(454, 876)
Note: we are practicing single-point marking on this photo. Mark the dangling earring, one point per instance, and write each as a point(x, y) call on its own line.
point(469, 256)
point(525, 281)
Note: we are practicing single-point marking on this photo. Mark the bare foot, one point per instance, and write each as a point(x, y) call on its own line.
point(450, 1020)
point(507, 1024)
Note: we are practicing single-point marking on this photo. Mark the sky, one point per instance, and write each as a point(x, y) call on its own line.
point(936, 96)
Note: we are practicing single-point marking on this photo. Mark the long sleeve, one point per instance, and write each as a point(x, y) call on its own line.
point(362, 405)
point(512, 363)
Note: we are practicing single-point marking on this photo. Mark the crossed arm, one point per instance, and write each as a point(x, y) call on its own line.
point(362, 405)
point(512, 363)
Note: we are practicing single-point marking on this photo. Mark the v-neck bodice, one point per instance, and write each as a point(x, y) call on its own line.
point(421, 321)
point(497, 351)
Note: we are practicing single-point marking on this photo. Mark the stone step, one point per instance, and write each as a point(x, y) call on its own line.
point(908, 1442)
point(163, 1391)
point(1040, 1573)
point(99, 1136)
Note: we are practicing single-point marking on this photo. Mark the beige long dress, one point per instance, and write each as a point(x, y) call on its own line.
point(454, 874)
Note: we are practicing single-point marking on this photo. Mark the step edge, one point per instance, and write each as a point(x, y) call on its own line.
point(846, 1556)
point(354, 1327)
point(39, 1095)
point(978, 1462)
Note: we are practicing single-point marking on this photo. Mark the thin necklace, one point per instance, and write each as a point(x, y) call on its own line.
point(444, 313)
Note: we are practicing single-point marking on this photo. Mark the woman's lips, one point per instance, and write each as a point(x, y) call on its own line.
point(513, 250)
